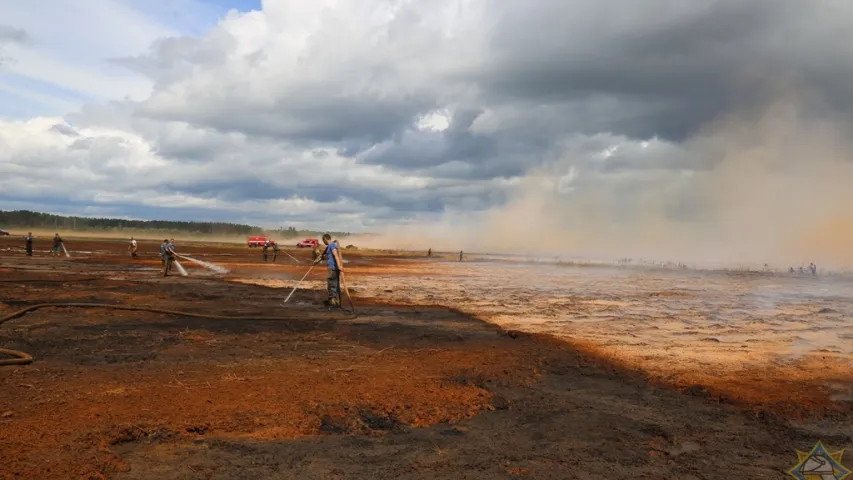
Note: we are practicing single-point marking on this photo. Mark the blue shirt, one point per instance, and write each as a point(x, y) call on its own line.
point(330, 252)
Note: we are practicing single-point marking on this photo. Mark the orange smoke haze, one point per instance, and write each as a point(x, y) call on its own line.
point(768, 186)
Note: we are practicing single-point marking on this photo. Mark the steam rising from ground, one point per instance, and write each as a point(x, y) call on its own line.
point(771, 185)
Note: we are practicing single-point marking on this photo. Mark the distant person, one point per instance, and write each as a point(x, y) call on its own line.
point(791, 270)
point(274, 251)
point(57, 245)
point(265, 249)
point(813, 268)
point(460, 255)
point(28, 239)
point(429, 252)
point(133, 248)
point(166, 257)
point(163, 252)
point(168, 252)
point(335, 270)
point(801, 270)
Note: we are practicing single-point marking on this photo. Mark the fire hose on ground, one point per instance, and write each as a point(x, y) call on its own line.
point(24, 358)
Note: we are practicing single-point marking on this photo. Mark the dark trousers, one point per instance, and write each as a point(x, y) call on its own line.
point(333, 283)
point(29, 250)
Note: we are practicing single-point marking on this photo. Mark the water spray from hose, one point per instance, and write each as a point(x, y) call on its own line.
point(180, 268)
point(207, 265)
point(64, 250)
point(294, 258)
point(297, 284)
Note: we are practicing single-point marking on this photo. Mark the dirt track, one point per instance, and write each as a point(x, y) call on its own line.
point(395, 392)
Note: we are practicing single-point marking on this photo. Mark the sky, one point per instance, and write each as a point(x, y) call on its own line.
point(711, 127)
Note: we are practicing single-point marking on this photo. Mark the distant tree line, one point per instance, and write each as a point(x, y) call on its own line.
point(28, 219)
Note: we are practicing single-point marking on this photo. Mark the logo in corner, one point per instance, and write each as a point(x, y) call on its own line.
point(819, 464)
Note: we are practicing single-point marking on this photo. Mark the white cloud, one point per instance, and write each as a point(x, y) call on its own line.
point(46, 158)
point(71, 46)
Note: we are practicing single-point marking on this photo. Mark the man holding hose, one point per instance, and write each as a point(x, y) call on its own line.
point(167, 250)
point(335, 270)
point(57, 245)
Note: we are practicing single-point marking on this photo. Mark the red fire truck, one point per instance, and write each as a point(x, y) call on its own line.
point(257, 241)
point(308, 243)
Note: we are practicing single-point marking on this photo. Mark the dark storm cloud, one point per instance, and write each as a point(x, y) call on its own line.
point(65, 130)
point(231, 190)
point(663, 74)
point(305, 119)
point(9, 34)
point(685, 62)
point(458, 152)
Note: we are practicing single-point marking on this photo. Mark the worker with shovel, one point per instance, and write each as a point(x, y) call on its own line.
point(335, 278)
point(335, 270)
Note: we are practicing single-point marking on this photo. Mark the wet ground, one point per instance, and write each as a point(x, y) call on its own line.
point(416, 385)
point(778, 340)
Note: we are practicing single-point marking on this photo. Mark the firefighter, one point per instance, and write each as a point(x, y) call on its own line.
point(133, 247)
point(335, 270)
point(29, 244)
point(57, 245)
point(167, 252)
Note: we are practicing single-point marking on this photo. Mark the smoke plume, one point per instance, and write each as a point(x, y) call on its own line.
point(765, 185)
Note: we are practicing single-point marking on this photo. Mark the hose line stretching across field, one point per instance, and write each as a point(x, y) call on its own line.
point(24, 358)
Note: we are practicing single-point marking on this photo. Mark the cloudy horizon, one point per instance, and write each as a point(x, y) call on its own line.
point(594, 123)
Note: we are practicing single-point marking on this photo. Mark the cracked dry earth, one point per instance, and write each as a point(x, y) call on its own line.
point(397, 391)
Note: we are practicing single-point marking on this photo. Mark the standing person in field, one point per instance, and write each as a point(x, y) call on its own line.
point(163, 252)
point(57, 245)
point(163, 248)
point(133, 247)
point(274, 251)
point(168, 249)
point(335, 270)
point(460, 255)
point(29, 244)
point(266, 247)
